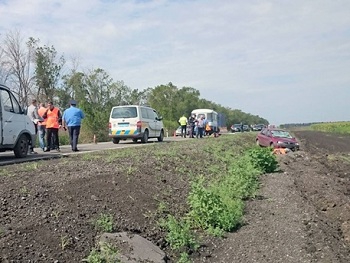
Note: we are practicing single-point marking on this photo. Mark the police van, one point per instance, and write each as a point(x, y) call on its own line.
point(17, 131)
point(135, 122)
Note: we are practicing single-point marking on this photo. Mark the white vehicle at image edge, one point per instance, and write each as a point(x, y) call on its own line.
point(135, 122)
point(17, 131)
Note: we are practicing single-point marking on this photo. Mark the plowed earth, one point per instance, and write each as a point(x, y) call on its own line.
point(301, 213)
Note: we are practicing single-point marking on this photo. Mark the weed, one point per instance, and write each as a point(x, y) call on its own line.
point(162, 207)
point(65, 242)
point(184, 258)
point(263, 158)
point(5, 172)
point(107, 254)
point(209, 209)
point(105, 223)
point(23, 190)
point(32, 166)
point(179, 234)
point(56, 214)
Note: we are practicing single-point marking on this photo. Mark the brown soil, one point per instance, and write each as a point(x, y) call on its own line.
point(301, 214)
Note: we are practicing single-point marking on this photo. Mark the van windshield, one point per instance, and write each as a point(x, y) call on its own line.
point(124, 112)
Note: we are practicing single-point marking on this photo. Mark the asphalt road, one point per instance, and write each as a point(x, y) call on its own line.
point(8, 157)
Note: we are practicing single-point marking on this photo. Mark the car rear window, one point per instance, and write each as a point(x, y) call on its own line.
point(124, 112)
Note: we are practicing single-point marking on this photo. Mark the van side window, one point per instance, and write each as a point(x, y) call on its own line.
point(9, 102)
point(144, 114)
point(150, 114)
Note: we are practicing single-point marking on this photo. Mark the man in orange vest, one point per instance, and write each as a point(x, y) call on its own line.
point(53, 118)
point(42, 126)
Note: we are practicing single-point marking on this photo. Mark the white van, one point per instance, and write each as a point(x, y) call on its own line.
point(17, 131)
point(135, 122)
point(210, 115)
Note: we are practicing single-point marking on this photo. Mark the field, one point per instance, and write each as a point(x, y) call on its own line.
point(54, 211)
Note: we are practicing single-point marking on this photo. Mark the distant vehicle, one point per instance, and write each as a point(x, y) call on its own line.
point(135, 122)
point(246, 128)
point(178, 131)
point(210, 115)
point(17, 131)
point(258, 127)
point(236, 127)
point(276, 138)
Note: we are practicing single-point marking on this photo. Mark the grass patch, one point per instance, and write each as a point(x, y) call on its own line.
point(105, 223)
point(106, 254)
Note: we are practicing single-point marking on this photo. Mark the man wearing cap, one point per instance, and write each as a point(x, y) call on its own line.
point(72, 119)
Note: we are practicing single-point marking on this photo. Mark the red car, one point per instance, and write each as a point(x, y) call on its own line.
point(276, 138)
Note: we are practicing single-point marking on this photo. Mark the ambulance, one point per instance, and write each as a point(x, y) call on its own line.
point(17, 131)
point(135, 122)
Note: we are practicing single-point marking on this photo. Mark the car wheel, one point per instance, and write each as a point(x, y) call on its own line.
point(271, 145)
point(22, 146)
point(257, 143)
point(115, 140)
point(161, 136)
point(144, 138)
point(134, 140)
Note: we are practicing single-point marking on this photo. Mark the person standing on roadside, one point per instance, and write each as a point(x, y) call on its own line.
point(42, 126)
point(72, 118)
point(183, 123)
point(53, 118)
point(200, 127)
point(192, 121)
point(33, 114)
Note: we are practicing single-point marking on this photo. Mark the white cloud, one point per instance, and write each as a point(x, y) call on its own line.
point(250, 55)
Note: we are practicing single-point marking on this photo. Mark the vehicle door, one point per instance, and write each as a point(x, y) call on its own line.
point(263, 138)
point(159, 123)
point(152, 122)
point(13, 121)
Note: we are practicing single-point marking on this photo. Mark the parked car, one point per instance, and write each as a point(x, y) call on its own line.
point(246, 128)
point(258, 127)
point(178, 131)
point(276, 138)
point(236, 127)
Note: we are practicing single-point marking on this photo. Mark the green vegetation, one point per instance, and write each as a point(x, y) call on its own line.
point(335, 127)
point(215, 199)
point(106, 254)
point(105, 223)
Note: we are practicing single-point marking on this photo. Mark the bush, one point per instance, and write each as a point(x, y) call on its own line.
point(263, 159)
point(211, 210)
point(179, 234)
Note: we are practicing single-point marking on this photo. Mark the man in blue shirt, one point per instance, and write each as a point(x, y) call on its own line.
point(72, 119)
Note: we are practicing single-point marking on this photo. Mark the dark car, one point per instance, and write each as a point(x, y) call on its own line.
point(276, 138)
point(258, 127)
point(236, 128)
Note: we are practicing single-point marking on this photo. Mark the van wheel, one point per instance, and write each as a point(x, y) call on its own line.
point(161, 136)
point(134, 140)
point(115, 140)
point(22, 146)
point(144, 138)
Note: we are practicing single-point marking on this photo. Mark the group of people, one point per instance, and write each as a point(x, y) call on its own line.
point(198, 126)
point(48, 120)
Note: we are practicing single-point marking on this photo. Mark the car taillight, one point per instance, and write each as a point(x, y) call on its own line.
point(139, 125)
point(109, 125)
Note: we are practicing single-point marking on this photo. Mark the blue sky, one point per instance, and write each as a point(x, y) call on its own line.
point(287, 61)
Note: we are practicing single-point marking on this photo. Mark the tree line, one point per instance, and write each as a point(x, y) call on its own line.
point(31, 69)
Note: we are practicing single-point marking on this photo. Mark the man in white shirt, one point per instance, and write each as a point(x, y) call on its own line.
point(33, 114)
